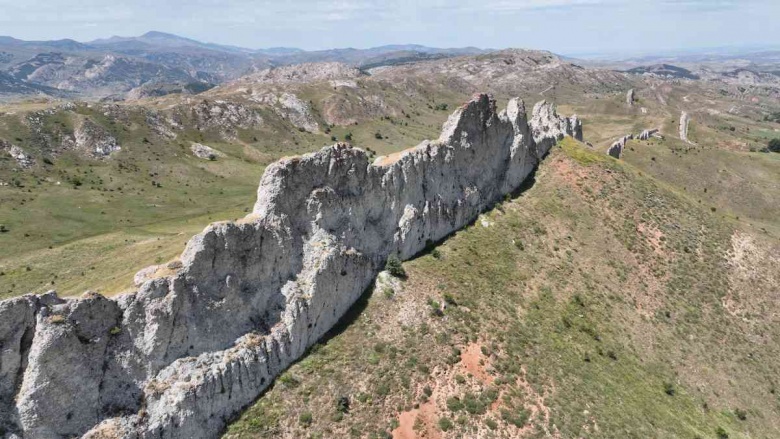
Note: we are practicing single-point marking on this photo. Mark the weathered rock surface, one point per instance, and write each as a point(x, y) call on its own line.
point(200, 340)
point(225, 116)
point(616, 149)
point(93, 139)
point(630, 98)
point(205, 152)
point(306, 72)
point(23, 159)
point(292, 108)
point(646, 134)
point(685, 120)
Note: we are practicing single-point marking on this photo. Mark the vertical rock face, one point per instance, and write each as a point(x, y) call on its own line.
point(188, 350)
point(630, 98)
point(647, 134)
point(685, 120)
point(616, 149)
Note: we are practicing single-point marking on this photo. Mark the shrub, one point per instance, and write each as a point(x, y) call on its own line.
point(445, 424)
point(669, 389)
point(721, 433)
point(3, 228)
point(388, 292)
point(774, 145)
point(449, 300)
point(305, 419)
point(342, 404)
point(454, 404)
point(741, 414)
point(333, 138)
point(441, 107)
point(518, 420)
point(394, 267)
point(348, 137)
point(491, 423)
point(378, 135)
point(288, 380)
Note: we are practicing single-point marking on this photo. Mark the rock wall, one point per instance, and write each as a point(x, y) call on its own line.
point(647, 134)
point(202, 337)
point(685, 120)
point(616, 149)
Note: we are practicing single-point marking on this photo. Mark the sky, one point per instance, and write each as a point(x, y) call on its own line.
point(569, 27)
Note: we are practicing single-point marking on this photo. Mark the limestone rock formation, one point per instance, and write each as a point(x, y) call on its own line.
point(685, 120)
point(224, 116)
point(205, 152)
point(202, 337)
point(292, 108)
point(306, 72)
point(646, 134)
point(23, 159)
point(630, 98)
point(94, 139)
point(616, 149)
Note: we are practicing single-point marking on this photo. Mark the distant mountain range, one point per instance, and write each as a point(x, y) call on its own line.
point(114, 66)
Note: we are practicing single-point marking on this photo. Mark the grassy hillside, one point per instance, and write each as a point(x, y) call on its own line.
point(598, 303)
point(75, 223)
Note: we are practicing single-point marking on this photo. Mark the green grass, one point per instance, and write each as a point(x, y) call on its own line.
point(75, 224)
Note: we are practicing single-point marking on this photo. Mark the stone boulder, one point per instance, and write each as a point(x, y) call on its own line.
point(205, 152)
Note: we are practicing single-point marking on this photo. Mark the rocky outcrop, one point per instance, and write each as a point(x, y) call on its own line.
point(23, 160)
point(226, 117)
point(306, 72)
point(616, 149)
point(647, 134)
point(164, 125)
point(205, 152)
point(349, 109)
point(630, 98)
point(292, 108)
point(94, 140)
point(203, 336)
point(685, 120)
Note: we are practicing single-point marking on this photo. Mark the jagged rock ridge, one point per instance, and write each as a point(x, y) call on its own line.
point(203, 336)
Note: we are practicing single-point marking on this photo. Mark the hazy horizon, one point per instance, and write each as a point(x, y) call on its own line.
point(574, 28)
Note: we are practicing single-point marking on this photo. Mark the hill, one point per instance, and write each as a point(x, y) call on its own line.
point(600, 302)
point(610, 298)
point(112, 67)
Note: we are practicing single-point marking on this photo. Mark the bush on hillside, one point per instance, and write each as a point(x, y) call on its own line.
point(774, 145)
point(395, 268)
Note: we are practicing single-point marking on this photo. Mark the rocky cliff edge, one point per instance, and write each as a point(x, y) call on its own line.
point(201, 338)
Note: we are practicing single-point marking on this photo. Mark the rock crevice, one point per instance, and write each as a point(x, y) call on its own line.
point(198, 342)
